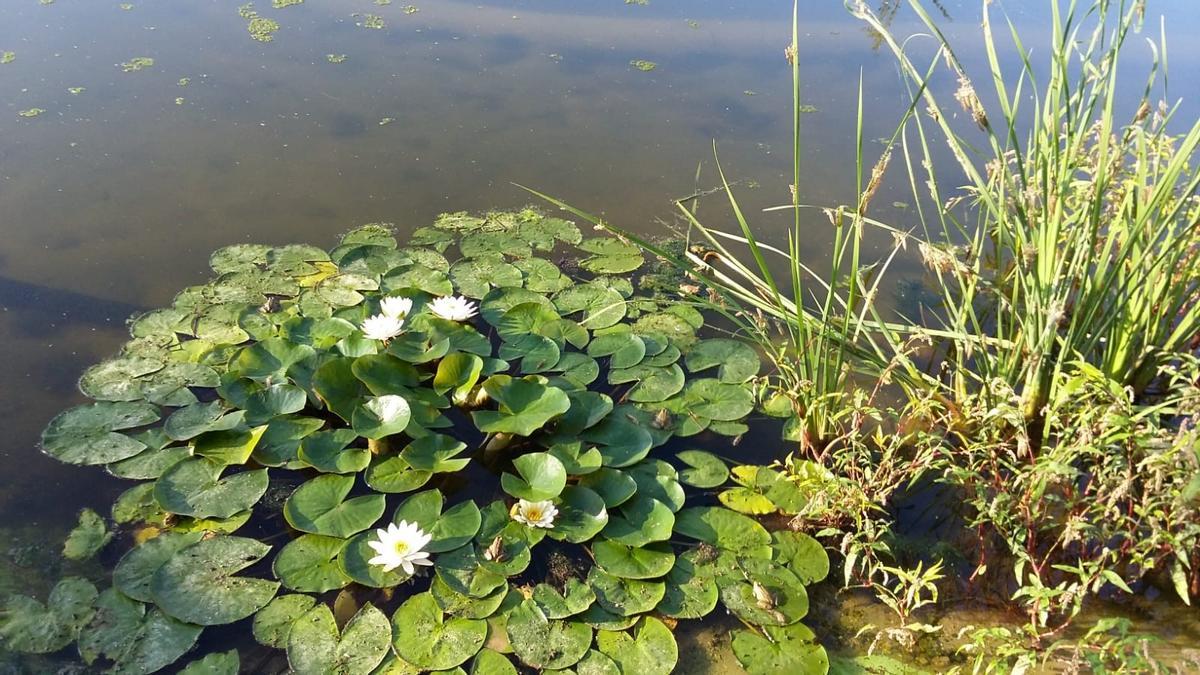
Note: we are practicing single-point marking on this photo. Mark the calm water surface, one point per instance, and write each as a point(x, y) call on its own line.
point(113, 197)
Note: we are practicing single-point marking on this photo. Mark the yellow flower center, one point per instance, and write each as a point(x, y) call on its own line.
point(400, 547)
point(534, 513)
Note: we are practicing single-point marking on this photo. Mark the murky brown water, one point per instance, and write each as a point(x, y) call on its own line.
point(112, 198)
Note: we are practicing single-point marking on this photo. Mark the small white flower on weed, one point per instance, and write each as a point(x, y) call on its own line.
point(534, 514)
point(382, 327)
point(395, 307)
point(453, 308)
point(400, 546)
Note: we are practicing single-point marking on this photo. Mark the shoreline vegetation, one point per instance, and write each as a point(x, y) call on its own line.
point(1050, 396)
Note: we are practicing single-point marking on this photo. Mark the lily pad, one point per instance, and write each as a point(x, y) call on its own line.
point(423, 636)
point(582, 514)
point(381, 416)
point(767, 595)
point(633, 562)
point(435, 453)
point(450, 529)
point(737, 360)
point(725, 529)
point(613, 485)
point(134, 571)
point(575, 598)
point(320, 507)
point(601, 306)
point(650, 650)
point(640, 521)
point(624, 349)
point(476, 276)
point(541, 477)
point(524, 406)
point(88, 537)
point(194, 487)
point(393, 474)
point(801, 554)
point(273, 623)
point(625, 597)
point(787, 649)
point(546, 643)
point(34, 628)
point(218, 663)
point(316, 646)
point(136, 640)
point(197, 584)
point(309, 564)
point(488, 662)
point(87, 434)
point(691, 590)
point(705, 470)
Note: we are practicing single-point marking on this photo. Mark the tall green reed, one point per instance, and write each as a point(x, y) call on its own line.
point(1078, 240)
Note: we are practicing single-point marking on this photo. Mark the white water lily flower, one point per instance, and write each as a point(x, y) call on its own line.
point(382, 327)
point(453, 308)
point(395, 307)
point(534, 514)
point(387, 408)
point(400, 546)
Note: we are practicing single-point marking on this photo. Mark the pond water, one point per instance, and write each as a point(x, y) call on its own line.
point(112, 197)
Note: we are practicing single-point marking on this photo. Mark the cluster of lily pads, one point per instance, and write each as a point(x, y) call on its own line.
point(314, 431)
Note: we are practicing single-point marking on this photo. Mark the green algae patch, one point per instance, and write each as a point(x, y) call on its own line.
point(31, 112)
point(7, 57)
point(137, 63)
point(643, 65)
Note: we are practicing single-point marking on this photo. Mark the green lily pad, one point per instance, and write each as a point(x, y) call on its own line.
point(575, 459)
point(546, 643)
point(134, 571)
point(385, 374)
point(455, 603)
point(624, 349)
point(354, 561)
point(496, 303)
point(280, 444)
point(458, 371)
point(320, 507)
point(337, 387)
point(651, 650)
point(541, 477)
point(524, 406)
point(463, 570)
point(614, 486)
point(658, 480)
point(800, 553)
point(423, 636)
point(273, 623)
point(691, 590)
point(489, 244)
point(309, 564)
point(275, 400)
point(315, 645)
point(228, 447)
point(705, 470)
point(787, 649)
point(674, 328)
point(450, 529)
point(34, 628)
point(195, 419)
point(393, 474)
point(419, 277)
point(194, 487)
point(435, 453)
point(476, 276)
point(381, 416)
point(219, 663)
point(149, 463)
point(88, 537)
point(725, 529)
point(715, 400)
point(633, 562)
point(542, 276)
point(136, 640)
point(601, 306)
point(87, 434)
point(575, 598)
point(327, 451)
point(640, 521)
point(592, 663)
point(766, 595)
point(737, 360)
point(488, 662)
point(270, 359)
point(654, 384)
point(625, 597)
point(197, 584)
point(537, 353)
point(621, 441)
point(117, 379)
point(582, 514)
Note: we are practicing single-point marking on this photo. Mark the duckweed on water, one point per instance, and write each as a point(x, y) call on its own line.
point(410, 9)
point(125, 6)
point(335, 58)
point(7, 57)
point(31, 112)
point(372, 21)
point(76, 90)
point(581, 402)
point(137, 63)
point(643, 65)
point(184, 81)
point(280, 4)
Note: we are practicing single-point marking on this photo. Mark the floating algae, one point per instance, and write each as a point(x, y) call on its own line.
point(260, 28)
point(372, 21)
point(335, 58)
point(137, 63)
point(8, 57)
point(280, 4)
point(76, 90)
point(643, 65)
point(32, 112)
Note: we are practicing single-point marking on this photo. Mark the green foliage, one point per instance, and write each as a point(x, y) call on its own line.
point(279, 387)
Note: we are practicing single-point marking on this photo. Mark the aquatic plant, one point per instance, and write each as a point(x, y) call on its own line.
point(274, 395)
